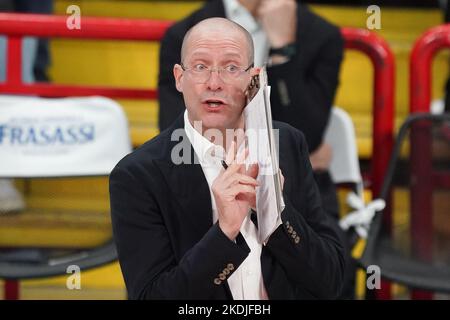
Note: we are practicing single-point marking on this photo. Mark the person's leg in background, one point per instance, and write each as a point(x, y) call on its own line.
point(10, 198)
point(41, 53)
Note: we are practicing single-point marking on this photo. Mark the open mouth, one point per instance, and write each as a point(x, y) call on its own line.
point(213, 103)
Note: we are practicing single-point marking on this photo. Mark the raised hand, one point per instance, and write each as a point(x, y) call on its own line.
point(234, 191)
point(279, 20)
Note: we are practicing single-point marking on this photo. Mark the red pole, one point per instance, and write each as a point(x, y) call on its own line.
point(11, 290)
point(422, 54)
point(421, 59)
point(13, 77)
point(14, 62)
point(383, 62)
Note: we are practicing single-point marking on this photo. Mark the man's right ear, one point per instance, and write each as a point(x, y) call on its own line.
point(178, 75)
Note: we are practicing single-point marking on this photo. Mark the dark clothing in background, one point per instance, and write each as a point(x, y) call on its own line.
point(42, 60)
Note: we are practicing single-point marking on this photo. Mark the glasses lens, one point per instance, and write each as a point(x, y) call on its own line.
point(203, 75)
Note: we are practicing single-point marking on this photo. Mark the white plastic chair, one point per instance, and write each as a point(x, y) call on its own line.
point(437, 106)
point(61, 137)
point(344, 168)
point(340, 135)
point(52, 138)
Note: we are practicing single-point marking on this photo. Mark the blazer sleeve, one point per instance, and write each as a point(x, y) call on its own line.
point(308, 244)
point(303, 88)
point(145, 252)
point(171, 103)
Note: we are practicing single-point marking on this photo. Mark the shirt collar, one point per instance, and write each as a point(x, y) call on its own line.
point(239, 14)
point(205, 149)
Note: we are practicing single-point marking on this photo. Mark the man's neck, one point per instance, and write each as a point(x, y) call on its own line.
point(236, 134)
point(227, 135)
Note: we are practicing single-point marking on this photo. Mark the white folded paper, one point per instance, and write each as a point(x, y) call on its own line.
point(263, 144)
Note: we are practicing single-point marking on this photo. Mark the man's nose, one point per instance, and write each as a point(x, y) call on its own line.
point(215, 81)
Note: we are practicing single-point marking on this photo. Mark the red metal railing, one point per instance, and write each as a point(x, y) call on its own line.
point(383, 98)
point(422, 55)
point(383, 112)
point(16, 26)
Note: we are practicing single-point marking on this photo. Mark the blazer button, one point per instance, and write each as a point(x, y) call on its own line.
point(297, 239)
point(222, 276)
point(226, 271)
point(217, 281)
point(230, 266)
point(290, 229)
point(287, 224)
point(294, 234)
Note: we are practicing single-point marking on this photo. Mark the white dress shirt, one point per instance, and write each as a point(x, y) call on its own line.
point(246, 283)
point(234, 11)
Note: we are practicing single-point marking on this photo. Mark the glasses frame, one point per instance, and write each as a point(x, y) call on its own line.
point(218, 69)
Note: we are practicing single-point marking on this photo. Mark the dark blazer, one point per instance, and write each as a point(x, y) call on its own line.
point(169, 248)
point(302, 90)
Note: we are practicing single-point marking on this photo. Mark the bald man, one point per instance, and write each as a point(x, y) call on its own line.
point(183, 222)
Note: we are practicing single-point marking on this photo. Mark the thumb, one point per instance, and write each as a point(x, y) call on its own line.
point(253, 170)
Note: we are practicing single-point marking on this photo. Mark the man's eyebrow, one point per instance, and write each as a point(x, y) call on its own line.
point(232, 54)
point(202, 55)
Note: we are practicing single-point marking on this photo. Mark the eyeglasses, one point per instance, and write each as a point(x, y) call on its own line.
point(229, 74)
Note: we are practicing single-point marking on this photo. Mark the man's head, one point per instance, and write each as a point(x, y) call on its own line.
point(216, 98)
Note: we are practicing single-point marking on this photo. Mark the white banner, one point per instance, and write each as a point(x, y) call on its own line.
point(61, 137)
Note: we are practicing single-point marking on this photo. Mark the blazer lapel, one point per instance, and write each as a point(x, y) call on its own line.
point(187, 181)
point(190, 189)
